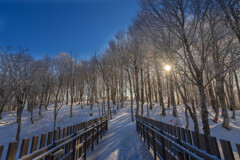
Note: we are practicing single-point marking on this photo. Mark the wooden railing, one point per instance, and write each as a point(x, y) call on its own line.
point(171, 142)
point(72, 142)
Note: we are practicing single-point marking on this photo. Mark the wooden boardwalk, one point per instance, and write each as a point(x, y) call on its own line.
point(121, 142)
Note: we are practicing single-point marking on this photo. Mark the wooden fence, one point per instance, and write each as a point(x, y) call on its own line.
point(171, 142)
point(72, 142)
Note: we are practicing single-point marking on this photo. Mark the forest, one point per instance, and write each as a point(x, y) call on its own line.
point(174, 52)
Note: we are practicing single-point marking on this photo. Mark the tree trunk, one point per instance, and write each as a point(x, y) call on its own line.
point(142, 92)
point(178, 98)
point(71, 107)
point(220, 88)
point(232, 98)
point(131, 94)
point(194, 116)
point(156, 94)
point(81, 99)
point(172, 96)
point(117, 95)
point(72, 96)
point(227, 97)
point(192, 113)
point(91, 99)
point(54, 123)
point(99, 111)
point(237, 85)
point(67, 95)
point(168, 93)
point(204, 111)
point(121, 92)
point(137, 91)
point(212, 100)
point(40, 106)
point(160, 92)
point(187, 119)
point(88, 100)
point(56, 106)
point(108, 102)
point(48, 96)
point(147, 99)
point(103, 101)
point(30, 107)
point(149, 92)
point(32, 115)
point(19, 120)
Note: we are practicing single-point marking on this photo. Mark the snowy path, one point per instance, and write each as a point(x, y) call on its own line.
point(121, 142)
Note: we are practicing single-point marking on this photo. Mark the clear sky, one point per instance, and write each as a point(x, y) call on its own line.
point(53, 26)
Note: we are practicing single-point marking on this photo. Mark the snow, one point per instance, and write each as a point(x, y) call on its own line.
point(122, 141)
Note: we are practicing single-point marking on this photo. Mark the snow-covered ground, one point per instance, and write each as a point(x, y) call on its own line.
point(121, 142)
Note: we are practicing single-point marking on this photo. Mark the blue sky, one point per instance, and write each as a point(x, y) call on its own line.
point(53, 26)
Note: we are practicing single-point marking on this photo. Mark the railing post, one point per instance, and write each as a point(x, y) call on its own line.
point(163, 145)
point(101, 130)
point(74, 148)
point(97, 133)
point(154, 148)
point(93, 139)
point(104, 127)
point(180, 154)
point(85, 146)
point(143, 134)
point(148, 139)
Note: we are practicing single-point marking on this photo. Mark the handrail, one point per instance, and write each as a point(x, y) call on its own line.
point(57, 145)
point(178, 143)
point(61, 145)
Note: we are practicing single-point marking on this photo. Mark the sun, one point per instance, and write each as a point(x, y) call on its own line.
point(167, 67)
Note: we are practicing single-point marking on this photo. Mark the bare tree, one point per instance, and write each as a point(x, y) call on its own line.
point(230, 10)
point(21, 69)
